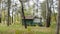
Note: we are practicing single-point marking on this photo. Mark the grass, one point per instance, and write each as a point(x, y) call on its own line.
point(19, 29)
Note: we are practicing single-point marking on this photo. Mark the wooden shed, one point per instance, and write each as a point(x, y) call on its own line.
point(32, 21)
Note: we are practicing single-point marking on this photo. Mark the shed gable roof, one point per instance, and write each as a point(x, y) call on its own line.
point(28, 17)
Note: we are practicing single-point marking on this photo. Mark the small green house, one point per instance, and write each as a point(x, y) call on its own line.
point(31, 21)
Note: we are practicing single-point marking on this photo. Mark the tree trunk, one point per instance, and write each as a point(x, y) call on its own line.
point(0, 18)
point(58, 20)
point(0, 15)
point(0, 11)
point(12, 16)
point(9, 3)
point(23, 14)
point(48, 18)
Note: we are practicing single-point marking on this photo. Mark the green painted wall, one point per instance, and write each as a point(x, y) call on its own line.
point(28, 21)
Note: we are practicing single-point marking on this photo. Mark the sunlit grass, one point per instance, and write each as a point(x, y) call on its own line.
point(19, 29)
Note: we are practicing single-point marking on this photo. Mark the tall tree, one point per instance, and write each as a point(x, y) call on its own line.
point(48, 19)
point(58, 20)
point(0, 11)
point(9, 3)
point(23, 13)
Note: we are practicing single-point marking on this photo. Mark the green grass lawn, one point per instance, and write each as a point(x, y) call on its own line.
point(19, 29)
